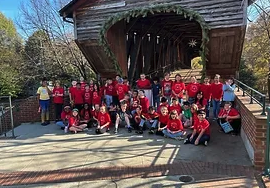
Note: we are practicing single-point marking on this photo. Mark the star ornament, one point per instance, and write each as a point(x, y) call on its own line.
point(192, 43)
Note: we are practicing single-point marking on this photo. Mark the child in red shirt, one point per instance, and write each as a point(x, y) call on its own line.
point(216, 92)
point(163, 103)
point(58, 100)
point(104, 121)
point(201, 131)
point(96, 96)
point(78, 96)
point(121, 89)
point(144, 102)
point(94, 115)
point(71, 92)
point(137, 117)
point(162, 120)
point(206, 90)
point(86, 115)
point(82, 82)
point(194, 109)
point(174, 128)
point(143, 83)
point(74, 122)
point(175, 106)
point(192, 89)
point(135, 102)
point(178, 88)
point(150, 119)
point(166, 86)
point(65, 115)
point(200, 101)
point(109, 91)
point(87, 95)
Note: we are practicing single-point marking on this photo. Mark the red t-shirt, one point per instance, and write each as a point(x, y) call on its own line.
point(121, 90)
point(104, 118)
point(58, 99)
point(231, 112)
point(83, 86)
point(144, 102)
point(163, 119)
point(193, 89)
point(73, 121)
point(161, 105)
point(175, 125)
point(200, 125)
point(167, 87)
point(178, 88)
point(176, 107)
point(109, 90)
point(194, 118)
point(87, 97)
point(115, 83)
point(85, 114)
point(143, 84)
point(96, 99)
point(216, 91)
point(78, 96)
point(94, 113)
point(151, 116)
point(66, 115)
point(134, 103)
point(71, 90)
point(200, 106)
point(206, 90)
point(137, 117)
point(101, 92)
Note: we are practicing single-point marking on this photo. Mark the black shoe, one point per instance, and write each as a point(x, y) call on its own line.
point(63, 128)
point(47, 122)
point(108, 130)
point(44, 124)
point(129, 129)
point(152, 131)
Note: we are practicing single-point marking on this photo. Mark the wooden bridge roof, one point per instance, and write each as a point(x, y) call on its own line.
point(67, 10)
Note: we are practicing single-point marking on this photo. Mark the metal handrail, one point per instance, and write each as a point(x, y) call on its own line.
point(159, 69)
point(251, 94)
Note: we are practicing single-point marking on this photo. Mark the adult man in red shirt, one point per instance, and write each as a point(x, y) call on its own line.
point(78, 96)
point(166, 87)
point(216, 92)
point(206, 90)
point(192, 89)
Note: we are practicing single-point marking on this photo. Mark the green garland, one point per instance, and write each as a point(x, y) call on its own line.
point(154, 9)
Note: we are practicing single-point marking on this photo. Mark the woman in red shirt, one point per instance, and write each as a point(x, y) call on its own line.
point(74, 124)
point(201, 131)
point(162, 120)
point(178, 88)
point(175, 106)
point(174, 128)
point(192, 89)
point(104, 121)
point(231, 115)
point(58, 100)
point(206, 90)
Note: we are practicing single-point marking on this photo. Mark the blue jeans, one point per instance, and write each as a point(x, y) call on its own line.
point(156, 101)
point(109, 100)
point(172, 135)
point(216, 107)
point(44, 105)
point(60, 124)
point(148, 123)
point(207, 109)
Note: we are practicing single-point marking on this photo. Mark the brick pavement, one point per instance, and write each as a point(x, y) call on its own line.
point(199, 169)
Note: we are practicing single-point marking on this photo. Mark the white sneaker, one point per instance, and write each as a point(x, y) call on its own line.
point(205, 143)
point(116, 131)
point(179, 138)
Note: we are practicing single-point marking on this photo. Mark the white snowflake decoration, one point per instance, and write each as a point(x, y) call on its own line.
point(192, 43)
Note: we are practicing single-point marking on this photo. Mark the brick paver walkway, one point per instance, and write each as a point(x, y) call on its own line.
point(116, 173)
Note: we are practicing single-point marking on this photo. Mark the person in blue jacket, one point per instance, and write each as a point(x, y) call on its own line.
point(228, 91)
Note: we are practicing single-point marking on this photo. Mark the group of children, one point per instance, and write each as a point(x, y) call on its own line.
point(116, 104)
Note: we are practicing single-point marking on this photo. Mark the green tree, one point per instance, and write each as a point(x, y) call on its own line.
point(246, 74)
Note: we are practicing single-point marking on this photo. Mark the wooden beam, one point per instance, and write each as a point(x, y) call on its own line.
point(131, 24)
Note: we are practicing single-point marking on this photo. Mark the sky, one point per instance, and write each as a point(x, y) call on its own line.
point(10, 8)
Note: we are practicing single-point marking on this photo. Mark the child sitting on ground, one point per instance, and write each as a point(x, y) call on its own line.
point(137, 117)
point(175, 106)
point(86, 114)
point(94, 115)
point(162, 120)
point(164, 102)
point(74, 122)
point(186, 114)
point(201, 132)
point(104, 121)
point(194, 109)
point(174, 128)
point(200, 101)
point(65, 115)
point(144, 102)
point(150, 119)
point(122, 118)
point(113, 112)
point(135, 102)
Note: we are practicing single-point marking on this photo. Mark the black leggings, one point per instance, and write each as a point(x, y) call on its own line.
point(58, 111)
point(205, 137)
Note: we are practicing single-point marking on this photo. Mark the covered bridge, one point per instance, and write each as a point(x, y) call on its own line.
point(132, 36)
